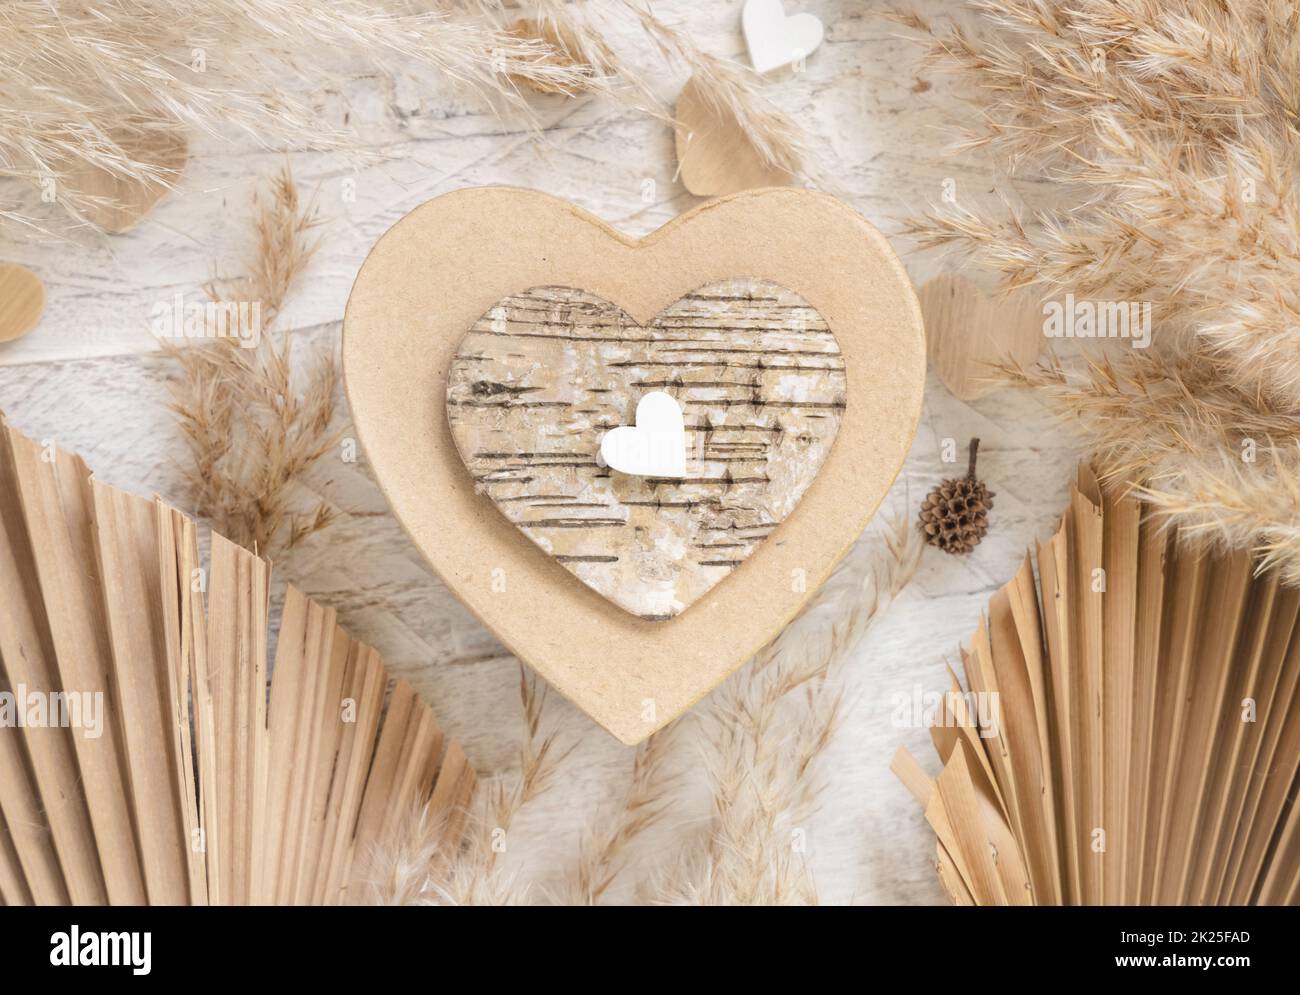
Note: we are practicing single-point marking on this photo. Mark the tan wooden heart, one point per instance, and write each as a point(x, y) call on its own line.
point(124, 200)
point(969, 334)
point(715, 155)
point(22, 299)
point(544, 374)
point(449, 261)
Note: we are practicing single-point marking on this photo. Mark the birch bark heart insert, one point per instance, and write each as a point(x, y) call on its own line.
point(543, 375)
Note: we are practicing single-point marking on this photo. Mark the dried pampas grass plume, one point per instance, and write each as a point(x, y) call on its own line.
point(416, 868)
point(732, 91)
point(603, 853)
point(91, 87)
point(1172, 132)
point(1174, 128)
point(1221, 465)
point(411, 868)
point(85, 85)
point(769, 725)
point(575, 38)
point(253, 427)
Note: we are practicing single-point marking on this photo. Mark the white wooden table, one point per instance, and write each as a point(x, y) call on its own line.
point(90, 379)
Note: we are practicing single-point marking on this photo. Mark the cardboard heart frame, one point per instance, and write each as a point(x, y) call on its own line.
point(446, 262)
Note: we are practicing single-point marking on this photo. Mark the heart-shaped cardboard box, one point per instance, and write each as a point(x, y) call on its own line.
point(436, 271)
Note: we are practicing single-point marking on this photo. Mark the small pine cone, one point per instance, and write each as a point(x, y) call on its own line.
point(955, 515)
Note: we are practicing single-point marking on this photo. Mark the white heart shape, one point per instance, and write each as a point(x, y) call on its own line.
point(775, 40)
point(655, 447)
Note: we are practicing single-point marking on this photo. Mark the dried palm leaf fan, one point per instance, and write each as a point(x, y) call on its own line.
point(197, 789)
point(1130, 730)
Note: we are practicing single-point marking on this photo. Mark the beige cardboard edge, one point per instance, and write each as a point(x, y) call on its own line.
point(443, 264)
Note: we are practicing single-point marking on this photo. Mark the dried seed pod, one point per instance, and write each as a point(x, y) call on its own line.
point(955, 515)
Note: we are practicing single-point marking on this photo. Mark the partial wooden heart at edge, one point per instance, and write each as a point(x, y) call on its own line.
point(22, 299)
point(968, 333)
point(118, 202)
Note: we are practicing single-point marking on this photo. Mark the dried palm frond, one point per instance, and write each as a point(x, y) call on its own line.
point(209, 784)
point(254, 428)
point(1126, 743)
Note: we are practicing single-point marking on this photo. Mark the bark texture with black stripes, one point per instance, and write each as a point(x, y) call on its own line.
point(544, 374)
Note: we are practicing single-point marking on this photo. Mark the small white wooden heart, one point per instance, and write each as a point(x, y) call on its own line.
point(655, 446)
point(775, 40)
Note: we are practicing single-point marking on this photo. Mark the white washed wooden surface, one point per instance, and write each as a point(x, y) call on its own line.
point(87, 379)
